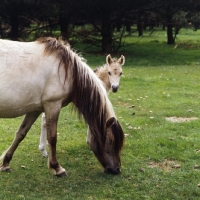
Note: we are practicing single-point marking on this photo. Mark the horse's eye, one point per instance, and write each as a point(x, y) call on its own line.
point(109, 73)
point(120, 73)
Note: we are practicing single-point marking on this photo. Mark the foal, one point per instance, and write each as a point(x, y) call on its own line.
point(109, 74)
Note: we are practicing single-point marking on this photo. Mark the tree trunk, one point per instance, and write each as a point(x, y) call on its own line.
point(106, 43)
point(14, 23)
point(64, 25)
point(140, 29)
point(118, 26)
point(140, 26)
point(170, 38)
point(128, 26)
point(106, 34)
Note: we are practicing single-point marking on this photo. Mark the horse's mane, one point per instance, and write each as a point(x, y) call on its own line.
point(59, 47)
point(62, 50)
point(89, 96)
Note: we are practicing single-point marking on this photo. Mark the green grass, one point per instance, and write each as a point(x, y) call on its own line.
point(160, 81)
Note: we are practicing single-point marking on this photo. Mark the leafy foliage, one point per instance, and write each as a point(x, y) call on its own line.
point(103, 24)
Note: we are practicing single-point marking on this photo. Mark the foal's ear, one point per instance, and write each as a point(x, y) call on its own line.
point(121, 60)
point(108, 59)
point(110, 122)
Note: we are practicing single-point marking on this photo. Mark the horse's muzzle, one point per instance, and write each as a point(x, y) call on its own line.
point(110, 170)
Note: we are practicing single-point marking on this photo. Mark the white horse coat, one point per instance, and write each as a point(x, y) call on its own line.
point(44, 76)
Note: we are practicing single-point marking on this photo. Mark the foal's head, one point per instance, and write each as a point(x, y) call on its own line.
point(114, 68)
point(108, 151)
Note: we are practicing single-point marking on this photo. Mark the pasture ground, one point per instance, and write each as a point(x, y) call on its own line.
point(160, 160)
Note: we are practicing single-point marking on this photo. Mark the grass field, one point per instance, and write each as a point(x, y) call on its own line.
point(160, 159)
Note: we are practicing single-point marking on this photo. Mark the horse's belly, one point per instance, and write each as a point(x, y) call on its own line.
point(14, 107)
point(16, 112)
point(15, 102)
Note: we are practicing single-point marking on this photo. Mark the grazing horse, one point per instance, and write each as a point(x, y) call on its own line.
point(109, 74)
point(44, 76)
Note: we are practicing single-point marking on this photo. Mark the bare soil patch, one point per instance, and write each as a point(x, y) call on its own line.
point(180, 119)
point(166, 165)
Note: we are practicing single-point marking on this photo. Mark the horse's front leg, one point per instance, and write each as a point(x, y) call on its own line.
point(19, 136)
point(52, 114)
point(43, 136)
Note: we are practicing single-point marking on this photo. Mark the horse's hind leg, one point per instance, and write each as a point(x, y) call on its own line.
point(43, 136)
point(20, 135)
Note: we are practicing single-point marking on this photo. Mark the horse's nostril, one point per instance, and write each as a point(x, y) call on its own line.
point(118, 170)
point(114, 88)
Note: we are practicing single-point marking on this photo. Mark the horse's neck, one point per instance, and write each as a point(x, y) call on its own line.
point(103, 76)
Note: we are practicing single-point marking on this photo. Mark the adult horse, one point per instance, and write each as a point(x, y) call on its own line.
point(110, 75)
point(44, 76)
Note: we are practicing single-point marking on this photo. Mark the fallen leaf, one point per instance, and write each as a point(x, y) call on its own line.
point(131, 106)
point(196, 166)
point(176, 166)
point(141, 169)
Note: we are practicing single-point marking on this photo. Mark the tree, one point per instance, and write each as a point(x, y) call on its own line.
point(167, 9)
point(107, 15)
point(15, 16)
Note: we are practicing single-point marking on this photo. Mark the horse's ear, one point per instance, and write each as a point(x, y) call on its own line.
point(121, 60)
point(110, 122)
point(108, 59)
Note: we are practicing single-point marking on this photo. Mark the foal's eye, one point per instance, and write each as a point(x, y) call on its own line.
point(109, 73)
point(120, 73)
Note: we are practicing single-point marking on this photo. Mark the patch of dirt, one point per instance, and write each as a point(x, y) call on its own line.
point(166, 165)
point(180, 119)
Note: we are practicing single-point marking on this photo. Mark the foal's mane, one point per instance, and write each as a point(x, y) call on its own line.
point(88, 96)
point(103, 67)
point(97, 69)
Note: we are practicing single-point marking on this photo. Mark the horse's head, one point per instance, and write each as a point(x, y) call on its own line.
point(108, 151)
point(114, 67)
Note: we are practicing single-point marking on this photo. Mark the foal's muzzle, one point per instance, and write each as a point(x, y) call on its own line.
point(115, 88)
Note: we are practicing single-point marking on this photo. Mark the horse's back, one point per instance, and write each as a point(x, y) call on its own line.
point(24, 74)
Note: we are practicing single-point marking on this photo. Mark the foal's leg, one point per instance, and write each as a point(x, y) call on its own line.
point(52, 113)
point(43, 136)
point(19, 136)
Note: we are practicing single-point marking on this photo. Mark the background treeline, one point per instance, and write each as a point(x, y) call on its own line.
point(102, 23)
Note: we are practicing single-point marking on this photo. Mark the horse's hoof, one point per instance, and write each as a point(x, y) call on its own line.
point(5, 169)
point(45, 156)
point(61, 174)
point(43, 152)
